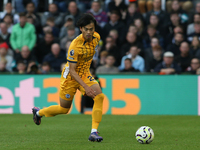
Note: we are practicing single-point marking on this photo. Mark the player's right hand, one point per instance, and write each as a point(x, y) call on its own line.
point(90, 92)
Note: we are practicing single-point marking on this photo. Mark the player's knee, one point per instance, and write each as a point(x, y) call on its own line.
point(100, 97)
point(64, 110)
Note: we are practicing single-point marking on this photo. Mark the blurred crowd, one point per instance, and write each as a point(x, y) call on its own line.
point(136, 35)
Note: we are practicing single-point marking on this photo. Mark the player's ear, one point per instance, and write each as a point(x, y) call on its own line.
point(81, 29)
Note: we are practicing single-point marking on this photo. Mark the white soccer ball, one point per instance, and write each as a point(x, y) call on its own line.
point(144, 135)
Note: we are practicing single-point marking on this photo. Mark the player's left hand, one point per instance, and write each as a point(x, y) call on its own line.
point(90, 92)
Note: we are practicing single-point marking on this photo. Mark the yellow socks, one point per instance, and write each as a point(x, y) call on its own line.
point(97, 110)
point(53, 110)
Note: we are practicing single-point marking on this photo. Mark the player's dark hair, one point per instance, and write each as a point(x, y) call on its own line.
point(85, 20)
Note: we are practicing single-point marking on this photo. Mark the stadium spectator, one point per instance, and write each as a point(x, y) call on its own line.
point(154, 21)
point(73, 11)
point(112, 49)
point(140, 27)
point(184, 58)
point(4, 33)
point(4, 55)
point(152, 62)
point(69, 22)
point(131, 14)
point(131, 40)
point(177, 8)
point(3, 63)
point(137, 61)
point(195, 47)
point(151, 32)
point(98, 13)
point(30, 13)
point(102, 59)
point(174, 46)
point(190, 27)
point(167, 66)
point(69, 37)
point(194, 67)
point(117, 5)
point(23, 34)
point(108, 67)
point(45, 68)
point(50, 27)
point(162, 15)
point(53, 12)
point(193, 12)
point(21, 67)
point(195, 33)
point(116, 24)
point(32, 68)
point(25, 56)
point(128, 66)
point(8, 9)
point(62, 5)
point(8, 19)
point(145, 5)
point(55, 58)
point(186, 5)
point(170, 38)
point(114, 34)
point(20, 5)
point(44, 46)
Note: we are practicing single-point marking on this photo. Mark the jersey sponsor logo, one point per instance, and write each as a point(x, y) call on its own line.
point(71, 52)
point(71, 58)
point(67, 96)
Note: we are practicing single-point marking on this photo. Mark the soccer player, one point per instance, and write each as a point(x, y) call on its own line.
point(76, 75)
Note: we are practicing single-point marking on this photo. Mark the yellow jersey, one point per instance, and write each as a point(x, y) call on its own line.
point(81, 52)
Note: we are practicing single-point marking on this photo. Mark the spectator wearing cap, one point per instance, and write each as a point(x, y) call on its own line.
point(54, 13)
point(55, 58)
point(4, 32)
point(168, 66)
point(184, 58)
point(69, 21)
point(4, 55)
point(137, 61)
point(73, 11)
point(116, 24)
point(22, 34)
point(8, 9)
point(152, 61)
point(70, 36)
point(100, 15)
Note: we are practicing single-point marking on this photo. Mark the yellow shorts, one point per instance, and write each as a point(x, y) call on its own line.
point(69, 86)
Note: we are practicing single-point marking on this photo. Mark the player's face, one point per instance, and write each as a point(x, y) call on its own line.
point(88, 31)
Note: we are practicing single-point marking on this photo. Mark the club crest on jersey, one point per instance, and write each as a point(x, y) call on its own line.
point(67, 96)
point(71, 52)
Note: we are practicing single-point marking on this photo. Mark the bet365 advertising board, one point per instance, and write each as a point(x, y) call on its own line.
point(124, 94)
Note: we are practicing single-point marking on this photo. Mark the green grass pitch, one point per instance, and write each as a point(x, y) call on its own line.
point(66, 132)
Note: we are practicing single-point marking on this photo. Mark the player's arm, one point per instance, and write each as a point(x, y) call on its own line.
point(88, 90)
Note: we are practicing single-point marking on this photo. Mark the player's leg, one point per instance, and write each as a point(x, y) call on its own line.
point(51, 111)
